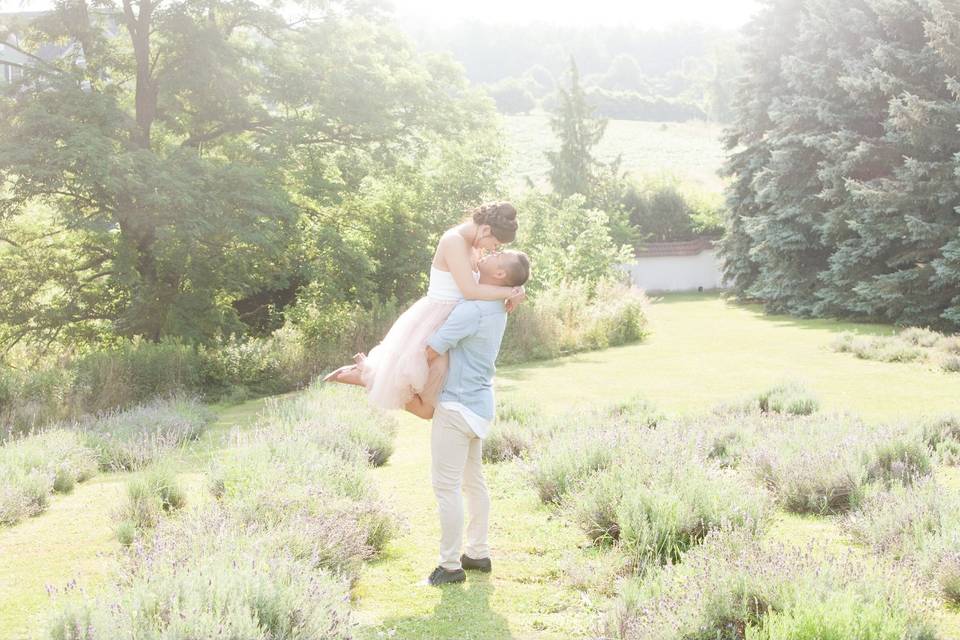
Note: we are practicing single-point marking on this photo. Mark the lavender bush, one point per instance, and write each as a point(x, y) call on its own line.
point(823, 465)
point(910, 345)
point(918, 526)
point(204, 577)
point(132, 439)
point(336, 418)
point(942, 436)
point(272, 555)
point(663, 495)
point(37, 465)
point(735, 586)
point(150, 495)
point(573, 446)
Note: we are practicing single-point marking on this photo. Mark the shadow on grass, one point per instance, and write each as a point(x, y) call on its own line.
point(463, 612)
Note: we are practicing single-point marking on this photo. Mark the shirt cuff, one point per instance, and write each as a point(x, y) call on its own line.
point(437, 345)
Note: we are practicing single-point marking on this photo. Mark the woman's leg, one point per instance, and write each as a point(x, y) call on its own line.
point(420, 407)
point(347, 374)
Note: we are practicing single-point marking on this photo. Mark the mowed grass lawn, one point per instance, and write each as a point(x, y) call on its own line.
point(690, 150)
point(702, 351)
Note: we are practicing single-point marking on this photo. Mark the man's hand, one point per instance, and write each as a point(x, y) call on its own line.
point(514, 301)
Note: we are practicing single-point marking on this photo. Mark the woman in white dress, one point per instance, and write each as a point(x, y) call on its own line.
point(396, 370)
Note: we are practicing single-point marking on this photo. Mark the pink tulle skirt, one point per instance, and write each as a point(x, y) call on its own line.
point(396, 369)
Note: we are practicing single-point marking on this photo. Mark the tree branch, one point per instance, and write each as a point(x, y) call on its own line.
point(196, 139)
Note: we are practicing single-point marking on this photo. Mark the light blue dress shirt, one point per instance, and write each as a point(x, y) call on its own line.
point(472, 334)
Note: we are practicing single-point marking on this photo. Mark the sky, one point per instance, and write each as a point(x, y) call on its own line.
point(642, 13)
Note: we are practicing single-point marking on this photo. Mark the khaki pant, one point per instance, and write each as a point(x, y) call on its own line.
point(457, 465)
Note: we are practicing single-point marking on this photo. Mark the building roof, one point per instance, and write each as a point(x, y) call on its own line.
point(684, 248)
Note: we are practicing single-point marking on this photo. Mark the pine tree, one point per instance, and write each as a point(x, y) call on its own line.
point(844, 161)
point(768, 36)
point(901, 188)
point(573, 166)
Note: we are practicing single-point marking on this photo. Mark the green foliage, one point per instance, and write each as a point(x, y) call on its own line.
point(664, 210)
point(630, 105)
point(843, 201)
point(566, 319)
point(567, 241)
point(512, 96)
point(240, 159)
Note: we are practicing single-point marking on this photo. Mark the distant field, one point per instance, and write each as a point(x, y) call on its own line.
point(690, 150)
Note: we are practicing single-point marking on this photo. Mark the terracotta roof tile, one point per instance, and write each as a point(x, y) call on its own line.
point(685, 248)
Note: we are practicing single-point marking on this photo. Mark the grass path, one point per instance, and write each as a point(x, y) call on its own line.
point(73, 541)
point(522, 598)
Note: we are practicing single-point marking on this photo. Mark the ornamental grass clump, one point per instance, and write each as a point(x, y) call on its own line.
point(150, 496)
point(735, 586)
point(34, 466)
point(132, 439)
point(788, 398)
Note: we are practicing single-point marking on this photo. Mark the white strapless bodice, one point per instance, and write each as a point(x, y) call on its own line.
point(443, 286)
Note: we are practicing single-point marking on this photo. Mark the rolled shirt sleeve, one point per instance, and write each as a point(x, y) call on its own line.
point(463, 321)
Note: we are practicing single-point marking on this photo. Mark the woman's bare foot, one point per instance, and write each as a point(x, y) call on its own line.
point(358, 358)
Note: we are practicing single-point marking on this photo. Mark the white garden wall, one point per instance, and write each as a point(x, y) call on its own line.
point(677, 273)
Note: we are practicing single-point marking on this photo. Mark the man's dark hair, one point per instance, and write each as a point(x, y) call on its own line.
point(517, 267)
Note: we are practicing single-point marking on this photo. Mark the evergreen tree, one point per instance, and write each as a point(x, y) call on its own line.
point(902, 191)
point(573, 166)
point(843, 158)
point(768, 37)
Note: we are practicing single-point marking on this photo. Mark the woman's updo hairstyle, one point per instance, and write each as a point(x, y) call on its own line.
point(502, 218)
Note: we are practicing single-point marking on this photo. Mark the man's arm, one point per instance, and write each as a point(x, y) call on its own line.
point(463, 321)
